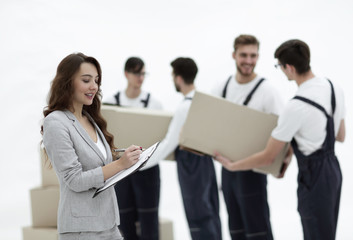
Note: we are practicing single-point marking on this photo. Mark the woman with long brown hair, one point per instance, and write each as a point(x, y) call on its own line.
point(79, 147)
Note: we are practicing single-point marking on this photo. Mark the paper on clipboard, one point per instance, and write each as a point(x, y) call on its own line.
point(144, 157)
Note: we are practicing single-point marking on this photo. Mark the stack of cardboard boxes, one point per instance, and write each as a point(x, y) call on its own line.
point(44, 204)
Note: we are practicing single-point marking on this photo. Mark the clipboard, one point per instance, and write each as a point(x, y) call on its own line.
point(144, 157)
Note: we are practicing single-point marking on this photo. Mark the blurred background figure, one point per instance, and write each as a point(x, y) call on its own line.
point(196, 173)
point(138, 194)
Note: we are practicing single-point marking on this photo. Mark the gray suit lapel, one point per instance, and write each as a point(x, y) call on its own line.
point(83, 133)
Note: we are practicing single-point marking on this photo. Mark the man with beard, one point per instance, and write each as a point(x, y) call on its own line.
point(245, 192)
point(196, 173)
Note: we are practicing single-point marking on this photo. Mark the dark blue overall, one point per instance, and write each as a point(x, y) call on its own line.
point(199, 190)
point(319, 183)
point(138, 200)
point(245, 195)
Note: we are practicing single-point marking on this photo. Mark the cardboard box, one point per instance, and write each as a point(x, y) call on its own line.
point(138, 126)
point(31, 233)
point(44, 203)
point(49, 177)
point(234, 130)
point(166, 229)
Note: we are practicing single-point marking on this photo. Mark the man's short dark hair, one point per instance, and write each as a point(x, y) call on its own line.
point(134, 65)
point(245, 39)
point(296, 53)
point(186, 68)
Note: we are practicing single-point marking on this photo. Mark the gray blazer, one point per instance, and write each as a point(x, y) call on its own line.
point(77, 162)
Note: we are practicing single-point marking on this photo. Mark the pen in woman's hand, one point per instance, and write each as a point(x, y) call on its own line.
point(119, 150)
point(123, 149)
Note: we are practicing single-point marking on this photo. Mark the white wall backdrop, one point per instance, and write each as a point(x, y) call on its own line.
point(36, 34)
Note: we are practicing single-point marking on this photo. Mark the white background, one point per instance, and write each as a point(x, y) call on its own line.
point(36, 34)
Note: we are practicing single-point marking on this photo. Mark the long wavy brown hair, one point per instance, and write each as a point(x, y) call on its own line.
point(61, 91)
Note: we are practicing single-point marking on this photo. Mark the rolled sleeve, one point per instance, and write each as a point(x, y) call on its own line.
point(288, 123)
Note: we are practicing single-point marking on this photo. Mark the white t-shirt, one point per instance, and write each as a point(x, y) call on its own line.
point(135, 102)
point(171, 140)
point(101, 146)
point(266, 98)
point(306, 123)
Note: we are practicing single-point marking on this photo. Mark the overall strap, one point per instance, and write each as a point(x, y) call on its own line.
point(333, 101)
point(117, 98)
point(224, 93)
point(248, 98)
point(145, 102)
point(329, 142)
point(333, 98)
point(313, 104)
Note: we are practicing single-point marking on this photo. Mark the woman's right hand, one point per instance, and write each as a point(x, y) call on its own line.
point(130, 156)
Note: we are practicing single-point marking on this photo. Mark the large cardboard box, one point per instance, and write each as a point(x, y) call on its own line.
point(234, 130)
point(44, 203)
point(49, 177)
point(139, 126)
point(31, 233)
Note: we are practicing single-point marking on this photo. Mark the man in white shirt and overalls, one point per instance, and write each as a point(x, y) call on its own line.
point(196, 174)
point(245, 192)
point(312, 121)
point(138, 194)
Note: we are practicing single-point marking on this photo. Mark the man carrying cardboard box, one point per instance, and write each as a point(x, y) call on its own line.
point(312, 121)
point(138, 194)
point(245, 192)
point(196, 173)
